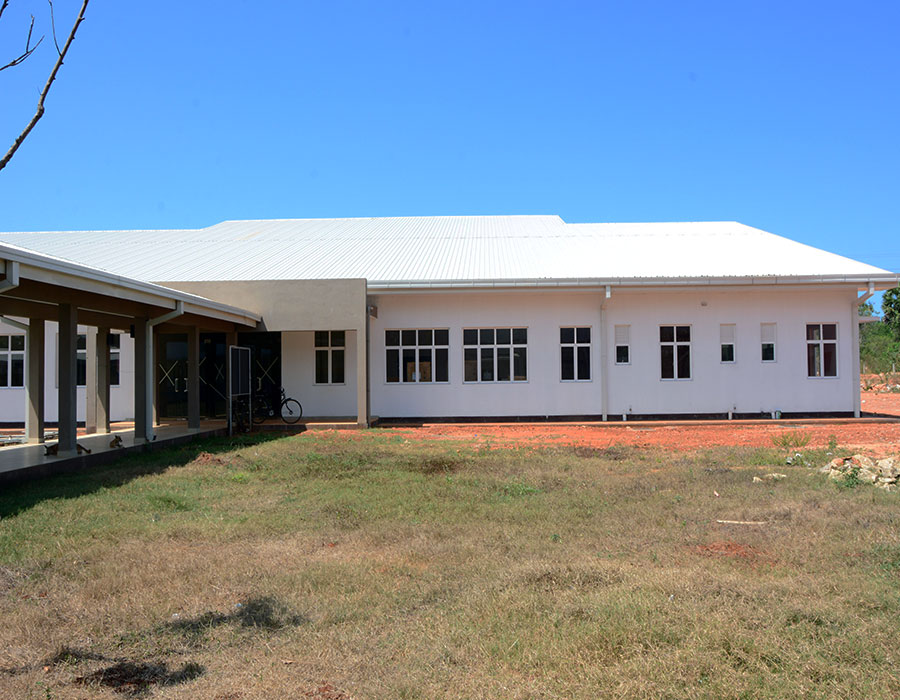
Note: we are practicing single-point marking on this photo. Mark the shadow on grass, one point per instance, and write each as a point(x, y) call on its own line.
point(136, 679)
point(16, 498)
point(264, 613)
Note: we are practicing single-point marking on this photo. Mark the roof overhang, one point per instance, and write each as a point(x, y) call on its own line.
point(38, 283)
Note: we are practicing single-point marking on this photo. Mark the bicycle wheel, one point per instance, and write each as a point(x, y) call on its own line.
point(291, 410)
point(261, 410)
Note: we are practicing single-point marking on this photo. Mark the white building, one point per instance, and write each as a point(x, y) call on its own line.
point(468, 317)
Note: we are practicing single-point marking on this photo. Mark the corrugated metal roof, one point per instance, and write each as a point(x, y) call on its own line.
point(444, 249)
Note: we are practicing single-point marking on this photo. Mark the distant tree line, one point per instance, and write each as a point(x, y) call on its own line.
point(879, 343)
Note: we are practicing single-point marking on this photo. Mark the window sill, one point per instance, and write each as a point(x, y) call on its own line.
point(573, 381)
point(446, 383)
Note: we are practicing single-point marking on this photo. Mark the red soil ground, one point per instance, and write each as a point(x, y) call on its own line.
point(881, 437)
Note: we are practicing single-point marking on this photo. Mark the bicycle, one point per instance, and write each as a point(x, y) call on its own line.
point(290, 409)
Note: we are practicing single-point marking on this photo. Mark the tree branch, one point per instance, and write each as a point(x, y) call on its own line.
point(53, 26)
point(29, 49)
point(3, 7)
point(40, 105)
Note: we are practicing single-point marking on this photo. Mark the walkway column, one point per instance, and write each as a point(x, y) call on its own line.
point(193, 377)
point(103, 375)
point(90, 381)
point(362, 403)
point(68, 366)
point(34, 382)
point(142, 379)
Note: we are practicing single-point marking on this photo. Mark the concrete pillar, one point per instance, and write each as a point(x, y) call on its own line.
point(34, 382)
point(854, 358)
point(142, 379)
point(362, 398)
point(68, 366)
point(90, 381)
point(193, 377)
point(157, 376)
point(103, 375)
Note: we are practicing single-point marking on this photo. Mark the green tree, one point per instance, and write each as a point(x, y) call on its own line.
point(890, 310)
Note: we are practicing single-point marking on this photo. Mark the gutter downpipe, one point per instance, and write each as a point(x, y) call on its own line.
point(148, 366)
point(12, 276)
point(604, 373)
point(857, 302)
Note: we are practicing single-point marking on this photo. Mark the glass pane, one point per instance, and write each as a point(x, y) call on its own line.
point(424, 337)
point(829, 357)
point(812, 360)
point(17, 371)
point(813, 331)
point(409, 337)
point(441, 365)
point(667, 334)
point(392, 338)
point(502, 364)
point(114, 341)
point(768, 352)
point(584, 362)
point(566, 335)
point(583, 335)
point(409, 365)
point(114, 370)
point(82, 341)
point(321, 367)
point(503, 336)
point(470, 365)
point(442, 337)
point(487, 364)
point(520, 336)
point(338, 339)
point(683, 334)
point(4, 342)
point(4, 370)
point(425, 363)
point(567, 364)
point(829, 332)
point(486, 336)
point(727, 352)
point(520, 372)
point(337, 366)
point(622, 354)
point(684, 361)
point(321, 339)
point(81, 370)
point(392, 371)
point(18, 342)
point(470, 336)
point(667, 361)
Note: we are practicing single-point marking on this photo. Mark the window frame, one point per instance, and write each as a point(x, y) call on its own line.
point(574, 345)
point(821, 343)
point(675, 344)
point(416, 347)
point(10, 355)
point(479, 347)
point(626, 345)
point(732, 343)
point(763, 343)
point(329, 350)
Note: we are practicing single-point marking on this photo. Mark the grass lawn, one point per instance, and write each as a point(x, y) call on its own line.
point(368, 565)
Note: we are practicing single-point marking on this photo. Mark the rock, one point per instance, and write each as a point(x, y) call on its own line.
point(825, 469)
point(867, 475)
point(757, 480)
point(885, 486)
point(835, 474)
point(888, 467)
point(862, 462)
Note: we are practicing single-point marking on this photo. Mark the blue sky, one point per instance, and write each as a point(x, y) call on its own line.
point(170, 115)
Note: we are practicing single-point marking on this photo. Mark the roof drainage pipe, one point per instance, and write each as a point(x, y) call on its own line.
point(854, 356)
point(11, 281)
point(148, 366)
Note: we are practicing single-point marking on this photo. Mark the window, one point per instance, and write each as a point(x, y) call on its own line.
point(12, 360)
point(821, 349)
point(417, 355)
point(495, 354)
point(767, 336)
point(330, 347)
point(623, 345)
point(575, 354)
point(115, 346)
point(675, 352)
point(726, 342)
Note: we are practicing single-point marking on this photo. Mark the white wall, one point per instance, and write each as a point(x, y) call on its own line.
point(298, 375)
point(748, 385)
point(12, 399)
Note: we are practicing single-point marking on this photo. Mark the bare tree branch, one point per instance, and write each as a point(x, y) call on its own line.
point(3, 7)
point(53, 26)
point(40, 105)
point(29, 49)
